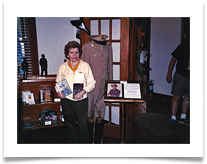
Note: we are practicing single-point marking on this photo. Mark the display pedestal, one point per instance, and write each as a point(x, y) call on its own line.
point(123, 92)
point(123, 110)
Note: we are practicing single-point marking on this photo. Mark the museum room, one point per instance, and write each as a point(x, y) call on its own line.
point(90, 82)
point(129, 54)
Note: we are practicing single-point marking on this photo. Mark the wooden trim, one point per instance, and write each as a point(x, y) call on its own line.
point(124, 49)
point(133, 48)
point(33, 46)
point(114, 41)
point(83, 35)
point(162, 98)
point(99, 26)
point(102, 18)
point(110, 31)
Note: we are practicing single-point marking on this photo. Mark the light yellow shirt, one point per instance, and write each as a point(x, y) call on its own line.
point(82, 74)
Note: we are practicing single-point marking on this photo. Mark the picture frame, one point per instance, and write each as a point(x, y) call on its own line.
point(114, 89)
point(130, 91)
point(46, 95)
point(30, 99)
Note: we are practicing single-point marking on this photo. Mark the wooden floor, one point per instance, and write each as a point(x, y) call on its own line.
point(141, 136)
point(144, 136)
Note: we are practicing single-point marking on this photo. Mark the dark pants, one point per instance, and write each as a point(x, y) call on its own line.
point(76, 117)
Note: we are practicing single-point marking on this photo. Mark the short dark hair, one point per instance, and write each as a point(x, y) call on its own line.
point(72, 44)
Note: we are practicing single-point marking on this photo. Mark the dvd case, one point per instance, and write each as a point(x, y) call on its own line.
point(63, 87)
point(77, 87)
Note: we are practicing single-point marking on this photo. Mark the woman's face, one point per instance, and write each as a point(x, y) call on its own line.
point(73, 54)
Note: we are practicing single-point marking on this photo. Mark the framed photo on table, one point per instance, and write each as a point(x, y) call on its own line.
point(114, 90)
point(123, 90)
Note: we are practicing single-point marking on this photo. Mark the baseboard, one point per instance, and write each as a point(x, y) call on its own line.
point(161, 98)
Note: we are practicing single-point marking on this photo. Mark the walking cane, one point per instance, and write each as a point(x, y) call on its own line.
point(90, 127)
point(98, 128)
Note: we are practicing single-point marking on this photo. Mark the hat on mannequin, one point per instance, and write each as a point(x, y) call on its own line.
point(98, 38)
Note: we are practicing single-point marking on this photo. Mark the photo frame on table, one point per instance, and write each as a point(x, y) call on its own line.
point(123, 90)
point(114, 90)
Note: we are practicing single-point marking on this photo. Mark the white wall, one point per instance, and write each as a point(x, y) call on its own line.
point(165, 37)
point(53, 33)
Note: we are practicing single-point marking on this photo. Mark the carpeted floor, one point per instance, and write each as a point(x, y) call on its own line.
point(158, 124)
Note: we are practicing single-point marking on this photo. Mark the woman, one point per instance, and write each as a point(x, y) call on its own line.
point(75, 107)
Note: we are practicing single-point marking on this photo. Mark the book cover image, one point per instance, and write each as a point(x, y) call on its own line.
point(77, 87)
point(47, 117)
point(43, 116)
point(63, 87)
point(46, 95)
point(52, 116)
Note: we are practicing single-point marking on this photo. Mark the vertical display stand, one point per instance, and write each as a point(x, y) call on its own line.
point(123, 92)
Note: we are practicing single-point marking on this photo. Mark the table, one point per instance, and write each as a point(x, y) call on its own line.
point(123, 101)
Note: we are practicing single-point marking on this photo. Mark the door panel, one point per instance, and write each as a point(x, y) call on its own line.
point(143, 56)
point(116, 24)
point(105, 28)
point(116, 52)
point(94, 27)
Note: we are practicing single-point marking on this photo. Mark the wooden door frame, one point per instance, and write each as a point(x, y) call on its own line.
point(124, 49)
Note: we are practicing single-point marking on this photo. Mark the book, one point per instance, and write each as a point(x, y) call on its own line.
point(47, 117)
point(77, 87)
point(42, 118)
point(24, 96)
point(28, 125)
point(46, 95)
point(30, 98)
point(52, 116)
point(63, 87)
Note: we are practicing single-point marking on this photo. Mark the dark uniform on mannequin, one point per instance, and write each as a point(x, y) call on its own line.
point(98, 53)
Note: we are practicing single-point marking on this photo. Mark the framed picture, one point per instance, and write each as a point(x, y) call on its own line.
point(114, 90)
point(123, 91)
point(132, 90)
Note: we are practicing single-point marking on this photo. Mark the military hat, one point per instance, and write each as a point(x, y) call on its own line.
point(99, 38)
point(113, 85)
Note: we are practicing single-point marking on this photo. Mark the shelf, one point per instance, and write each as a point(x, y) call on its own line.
point(39, 79)
point(37, 126)
point(40, 104)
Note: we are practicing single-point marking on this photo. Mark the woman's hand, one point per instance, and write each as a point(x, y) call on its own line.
point(79, 95)
point(61, 95)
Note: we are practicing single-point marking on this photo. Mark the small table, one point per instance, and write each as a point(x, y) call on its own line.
point(122, 101)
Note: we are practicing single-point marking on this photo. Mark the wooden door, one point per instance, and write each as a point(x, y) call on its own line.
point(142, 48)
point(117, 30)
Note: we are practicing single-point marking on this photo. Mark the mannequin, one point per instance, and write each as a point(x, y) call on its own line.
point(98, 53)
